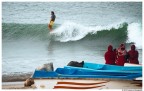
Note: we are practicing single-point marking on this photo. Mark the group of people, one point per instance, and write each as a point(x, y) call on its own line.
point(120, 56)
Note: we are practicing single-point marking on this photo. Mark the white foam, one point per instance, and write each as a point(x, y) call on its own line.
point(70, 31)
point(135, 34)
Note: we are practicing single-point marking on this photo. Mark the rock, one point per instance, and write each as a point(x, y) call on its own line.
point(76, 64)
point(29, 82)
point(46, 67)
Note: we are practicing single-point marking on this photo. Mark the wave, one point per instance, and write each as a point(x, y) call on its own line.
point(119, 33)
point(72, 32)
point(16, 31)
point(135, 34)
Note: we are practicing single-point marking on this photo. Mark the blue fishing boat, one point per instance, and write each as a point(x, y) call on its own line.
point(91, 74)
point(92, 70)
point(111, 67)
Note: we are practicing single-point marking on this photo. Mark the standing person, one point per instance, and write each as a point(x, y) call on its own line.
point(110, 56)
point(121, 53)
point(133, 55)
point(51, 20)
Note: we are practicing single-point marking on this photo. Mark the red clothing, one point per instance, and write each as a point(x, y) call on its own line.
point(109, 56)
point(133, 55)
point(121, 52)
point(120, 61)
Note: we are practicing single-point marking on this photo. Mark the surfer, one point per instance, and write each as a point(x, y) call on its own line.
point(133, 55)
point(51, 20)
point(110, 56)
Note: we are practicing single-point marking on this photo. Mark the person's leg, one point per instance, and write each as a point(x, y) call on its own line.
point(49, 27)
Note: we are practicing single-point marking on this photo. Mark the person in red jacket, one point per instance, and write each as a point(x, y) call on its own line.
point(121, 53)
point(110, 56)
point(133, 55)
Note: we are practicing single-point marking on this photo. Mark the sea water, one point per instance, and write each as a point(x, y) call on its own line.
point(82, 31)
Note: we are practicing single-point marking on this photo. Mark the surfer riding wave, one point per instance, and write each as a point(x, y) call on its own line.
point(50, 25)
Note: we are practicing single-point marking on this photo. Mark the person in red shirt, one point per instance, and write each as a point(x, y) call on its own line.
point(121, 53)
point(133, 55)
point(110, 56)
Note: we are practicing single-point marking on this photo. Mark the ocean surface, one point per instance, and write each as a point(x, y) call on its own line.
point(82, 32)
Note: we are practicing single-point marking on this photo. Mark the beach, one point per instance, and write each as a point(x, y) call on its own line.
point(14, 81)
point(16, 85)
point(110, 84)
point(82, 31)
point(73, 39)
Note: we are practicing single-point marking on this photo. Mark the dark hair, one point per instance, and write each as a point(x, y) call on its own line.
point(52, 12)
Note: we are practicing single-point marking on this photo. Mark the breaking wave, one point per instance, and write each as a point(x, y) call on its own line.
point(70, 31)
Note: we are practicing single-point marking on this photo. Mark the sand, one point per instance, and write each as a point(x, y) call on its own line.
point(50, 83)
point(16, 85)
point(110, 84)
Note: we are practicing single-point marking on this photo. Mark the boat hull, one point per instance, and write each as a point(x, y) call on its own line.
point(91, 70)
